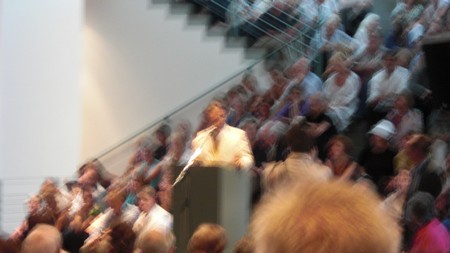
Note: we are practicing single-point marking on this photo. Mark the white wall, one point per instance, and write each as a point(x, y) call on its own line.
point(57, 109)
point(40, 67)
point(40, 87)
point(140, 64)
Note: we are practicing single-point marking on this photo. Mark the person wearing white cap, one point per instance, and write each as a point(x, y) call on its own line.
point(377, 159)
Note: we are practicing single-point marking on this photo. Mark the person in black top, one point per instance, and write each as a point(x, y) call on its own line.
point(378, 159)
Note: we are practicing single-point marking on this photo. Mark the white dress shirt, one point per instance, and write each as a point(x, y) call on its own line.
point(232, 147)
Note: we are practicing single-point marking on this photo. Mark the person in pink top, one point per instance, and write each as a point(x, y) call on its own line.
point(430, 236)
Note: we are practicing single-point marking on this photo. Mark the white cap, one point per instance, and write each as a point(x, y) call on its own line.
point(384, 129)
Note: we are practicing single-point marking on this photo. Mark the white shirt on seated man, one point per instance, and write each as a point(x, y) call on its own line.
point(152, 216)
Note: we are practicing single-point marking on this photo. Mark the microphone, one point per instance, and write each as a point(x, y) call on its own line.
point(180, 177)
point(194, 155)
point(209, 129)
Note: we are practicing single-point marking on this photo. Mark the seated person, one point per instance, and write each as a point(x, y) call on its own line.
point(377, 159)
point(328, 39)
point(405, 118)
point(43, 238)
point(339, 160)
point(152, 216)
point(208, 237)
point(113, 215)
point(322, 125)
point(341, 90)
point(300, 164)
point(430, 235)
point(384, 86)
point(155, 241)
point(295, 107)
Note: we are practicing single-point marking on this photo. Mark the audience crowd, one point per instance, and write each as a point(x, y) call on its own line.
point(350, 157)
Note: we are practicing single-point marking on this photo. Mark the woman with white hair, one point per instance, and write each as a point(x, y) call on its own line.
point(369, 25)
point(329, 38)
point(341, 89)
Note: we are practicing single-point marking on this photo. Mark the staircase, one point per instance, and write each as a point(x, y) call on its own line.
point(135, 72)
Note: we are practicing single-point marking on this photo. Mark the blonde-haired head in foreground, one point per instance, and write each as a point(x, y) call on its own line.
point(321, 218)
point(208, 238)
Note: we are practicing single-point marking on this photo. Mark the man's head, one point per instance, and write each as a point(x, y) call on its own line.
point(419, 210)
point(390, 61)
point(155, 241)
point(216, 114)
point(300, 68)
point(146, 199)
point(381, 134)
point(321, 218)
point(208, 237)
point(317, 104)
point(42, 239)
point(299, 138)
point(115, 199)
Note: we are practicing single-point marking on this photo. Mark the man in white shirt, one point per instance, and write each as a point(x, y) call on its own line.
point(384, 87)
point(220, 144)
point(152, 216)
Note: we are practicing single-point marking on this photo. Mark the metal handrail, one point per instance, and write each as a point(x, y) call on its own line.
point(285, 45)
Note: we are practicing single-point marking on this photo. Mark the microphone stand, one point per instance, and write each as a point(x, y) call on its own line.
point(187, 166)
point(196, 153)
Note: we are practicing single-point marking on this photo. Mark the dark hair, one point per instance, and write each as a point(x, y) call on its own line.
point(347, 142)
point(299, 138)
point(421, 206)
point(216, 102)
point(408, 97)
point(122, 238)
point(391, 53)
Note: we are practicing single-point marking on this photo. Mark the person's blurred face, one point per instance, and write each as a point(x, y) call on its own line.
point(277, 76)
point(87, 197)
point(217, 117)
point(374, 43)
point(115, 203)
point(33, 205)
point(89, 177)
point(238, 105)
point(162, 137)
point(339, 67)
point(295, 95)
point(401, 103)
point(300, 68)
point(146, 154)
point(372, 27)
point(389, 63)
point(378, 143)
point(336, 150)
point(316, 106)
point(145, 202)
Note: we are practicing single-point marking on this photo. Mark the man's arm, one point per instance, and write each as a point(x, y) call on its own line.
point(244, 157)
